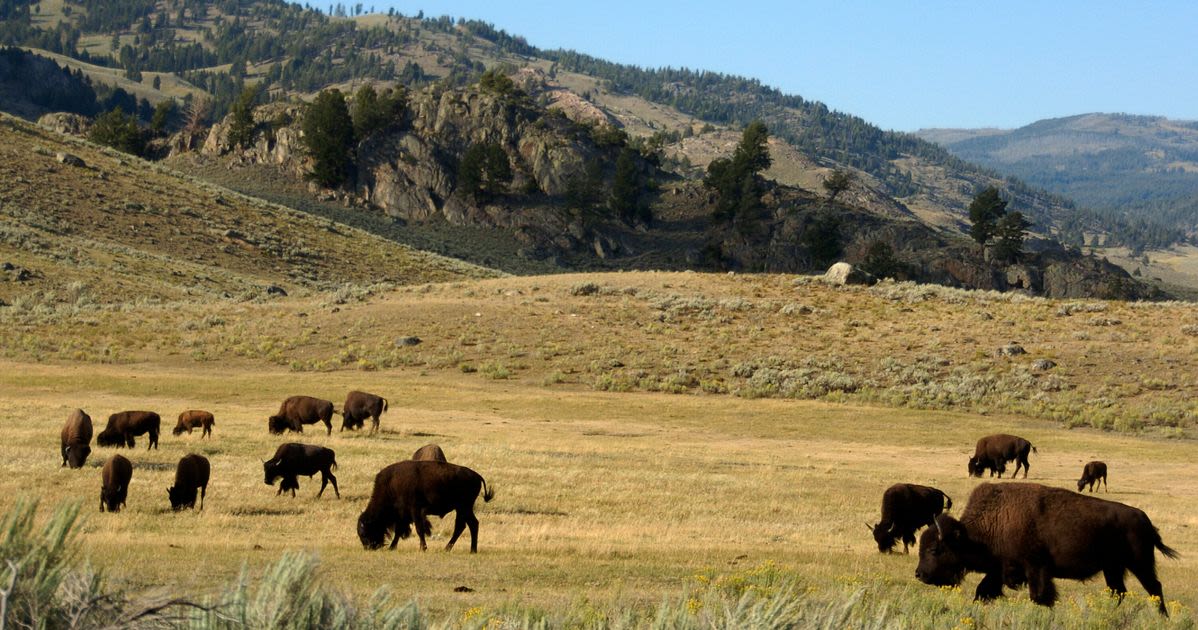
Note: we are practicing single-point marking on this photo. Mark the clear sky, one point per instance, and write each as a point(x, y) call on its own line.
point(898, 64)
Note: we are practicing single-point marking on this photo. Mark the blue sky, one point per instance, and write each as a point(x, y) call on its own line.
point(900, 65)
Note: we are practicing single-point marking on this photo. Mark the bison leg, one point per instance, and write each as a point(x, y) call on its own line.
point(1114, 581)
point(1147, 576)
point(423, 527)
point(989, 588)
point(459, 525)
point(203, 491)
point(328, 425)
point(332, 478)
point(1040, 586)
point(280, 490)
point(374, 428)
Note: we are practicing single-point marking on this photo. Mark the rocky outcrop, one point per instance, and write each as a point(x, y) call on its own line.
point(66, 123)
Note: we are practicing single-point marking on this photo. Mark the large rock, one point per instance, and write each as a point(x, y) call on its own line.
point(65, 123)
point(843, 273)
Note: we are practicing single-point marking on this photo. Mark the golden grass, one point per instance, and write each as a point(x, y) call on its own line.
point(602, 498)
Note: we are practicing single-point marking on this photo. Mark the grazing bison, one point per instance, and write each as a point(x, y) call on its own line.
point(1028, 533)
point(293, 459)
point(994, 451)
point(297, 411)
point(1094, 472)
point(409, 492)
point(114, 482)
point(193, 418)
point(358, 407)
point(191, 473)
point(905, 508)
point(429, 453)
point(76, 439)
point(126, 424)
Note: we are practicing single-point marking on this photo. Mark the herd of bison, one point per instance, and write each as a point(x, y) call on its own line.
point(1012, 533)
point(405, 493)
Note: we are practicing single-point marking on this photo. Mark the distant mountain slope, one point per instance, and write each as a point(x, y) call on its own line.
point(124, 230)
point(1142, 167)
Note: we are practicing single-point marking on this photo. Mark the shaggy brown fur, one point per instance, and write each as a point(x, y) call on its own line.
point(1094, 472)
point(1021, 533)
point(297, 411)
point(906, 507)
point(294, 459)
point(114, 482)
point(126, 424)
point(76, 439)
point(191, 473)
point(409, 492)
point(358, 407)
point(193, 418)
point(429, 453)
point(994, 451)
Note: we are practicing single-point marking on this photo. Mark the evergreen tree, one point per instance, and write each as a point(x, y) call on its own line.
point(837, 182)
point(163, 112)
point(119, 131)
point(735, 179)
point(822, 239)
point(329, 136)
point(625, 201)
point(1009, 233)
point(484, 171)
point(241, 121)
point(984, 212)
point(372, 111)
point(881, 262)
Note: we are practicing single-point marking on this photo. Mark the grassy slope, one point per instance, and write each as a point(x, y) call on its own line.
point(127, 229)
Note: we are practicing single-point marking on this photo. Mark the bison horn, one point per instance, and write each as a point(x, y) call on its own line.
point(939, 532)
point(869, 527)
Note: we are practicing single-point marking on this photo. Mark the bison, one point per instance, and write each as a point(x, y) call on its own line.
point(297, 411)
point(193, 418)
point(429, 453)
point(293, 459)
point(409, 492)
point(905, 508)
point(76, 439)
point(1028, 533)
point(358, 407)
point(994, 451)
point(1094, 472)
point(114, 482)
point(191, 473)
point(126, 424)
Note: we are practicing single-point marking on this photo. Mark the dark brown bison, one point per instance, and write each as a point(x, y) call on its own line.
point(1028, 533)
point(905, 508)
point(191, 473)
point(297, 411)
point(358, 407)
point(293, 459)
point(76, 439)
point(1094, 472)
point(429, 453)
point(126, 424)
point(409, 492)
point(994, 451)
point(193, 418)
point(114, 482)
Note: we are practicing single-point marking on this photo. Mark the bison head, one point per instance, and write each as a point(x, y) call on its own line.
point(883, 536)
point(77, 455)
point(975, 467)
point(111, 496)
point(371, 531)
point(942, 550)
point(277, 424)
point(178, 430)
point(108, 437)
point(271, 470)
point(181, 497)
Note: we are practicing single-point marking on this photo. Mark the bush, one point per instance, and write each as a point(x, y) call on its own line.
point(118, 130)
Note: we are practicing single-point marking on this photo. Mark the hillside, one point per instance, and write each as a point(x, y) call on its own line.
point(118, 230)
point(1139, 167)
point(219, 46)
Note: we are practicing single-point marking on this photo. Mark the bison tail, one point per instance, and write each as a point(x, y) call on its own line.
point(384, 404)
point(1166, 549)
point(488, 492)
point(334, 464)
point(1035, 451)
point(948, 502)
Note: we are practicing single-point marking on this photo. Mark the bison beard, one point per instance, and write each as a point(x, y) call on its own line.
point(1024, 533)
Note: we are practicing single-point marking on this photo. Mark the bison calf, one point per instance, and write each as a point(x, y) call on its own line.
point(126, 424)
point(1094, 472)
point(409, 492)
point(193, 418)
point(293, 459)
point(191, 474)
point(906, 507)
point(429, 453)
point(1025, 533)
point(297, 411)
point(358, 407)
point(76, 439)
point(994, 451)
point(114, 482)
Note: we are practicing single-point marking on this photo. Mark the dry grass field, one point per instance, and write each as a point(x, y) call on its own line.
point(652, 437)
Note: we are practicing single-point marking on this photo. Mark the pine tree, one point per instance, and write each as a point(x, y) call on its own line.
point(837, 182)
point(484, 171)
point(119, 131)
point(329, 136)
point(984, 211)
point(1009, 233)
point(241, 119)
point(625, 201)
point(734, 178)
